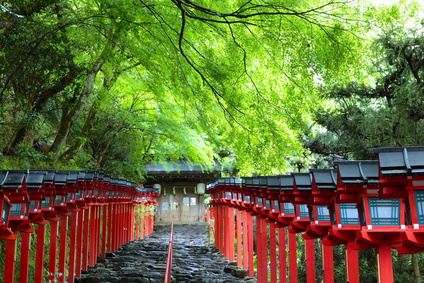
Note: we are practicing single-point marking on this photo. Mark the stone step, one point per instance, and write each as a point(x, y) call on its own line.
point(145, 260)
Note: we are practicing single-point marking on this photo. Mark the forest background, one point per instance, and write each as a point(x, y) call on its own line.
point(261, 87)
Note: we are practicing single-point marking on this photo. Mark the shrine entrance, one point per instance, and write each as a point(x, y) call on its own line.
point(182, 191)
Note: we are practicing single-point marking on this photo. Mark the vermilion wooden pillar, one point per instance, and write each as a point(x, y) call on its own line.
point(250, 245)
point(131, 222)
point(328, 263)
point(80, 241)
point(86, 236)
point(53, 249)
point(9, 263)
point(72, 246)
point(261, 250)
point(62, 248)
point(219, 218)
point(292, 258)
point(264, 240)
point(93, 228)
point(239, 239)
point(142, 222)
point(24, 260)
point(352, 264)
point(39, 254)
point(273, 252)
point(385, 264)
point(96, 233)
point(104, 229)
point(310, 260)
point(282, 254)
point(245, 241)
point(230, 233)
point(115, 231)
point(111, 228)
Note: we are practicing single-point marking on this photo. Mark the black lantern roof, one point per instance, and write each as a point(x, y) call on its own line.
point(325, 179)
point(286, 182)
point(85, 176)
point(401, 161)
point(263, 182)
point(106, 179)
point(14, 179)
point(49, 178)
point(72, 177)
point(221, 181)
point(2, 177)
point(35, 179)
point(248, 182)
point(273, 183)
point(61, 178)
point(303, 181)
point(358, 172)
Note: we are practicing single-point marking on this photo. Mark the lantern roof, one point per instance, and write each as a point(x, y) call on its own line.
point(358, 172)
point(286, 182)
point(35, 179)
point(273, 183)
point(49, 178)
point(14, 179)
point(60, 178)
point(302, 181)
point(325, 179)
point(401, 161)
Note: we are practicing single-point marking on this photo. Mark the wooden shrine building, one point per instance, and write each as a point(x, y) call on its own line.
point(182, 189)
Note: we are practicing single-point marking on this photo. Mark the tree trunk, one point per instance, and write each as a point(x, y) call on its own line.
point(416, 265)
point(68, 117)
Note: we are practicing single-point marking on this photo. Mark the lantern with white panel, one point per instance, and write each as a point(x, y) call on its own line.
point(15, 187)
point(5, 205)
point(402, 175)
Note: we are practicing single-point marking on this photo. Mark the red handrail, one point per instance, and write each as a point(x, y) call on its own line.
point(169, 259)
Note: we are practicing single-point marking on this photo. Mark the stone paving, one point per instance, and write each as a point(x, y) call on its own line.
point(145, 260)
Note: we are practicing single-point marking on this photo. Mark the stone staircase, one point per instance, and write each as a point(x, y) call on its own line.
point(145, 260)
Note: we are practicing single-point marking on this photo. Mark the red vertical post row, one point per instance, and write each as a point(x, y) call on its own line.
point(310, 260)
point(218, 219)
point(261, 250)
point(250, 245)
point(92, 247)
point(80, 242)
point(143, 220)
point(385, 264)
point(98, 222)
point(104, 230)
point(239, 239)
point(9, 263)
point(111, 227)
point(53, 248)
point(62, 247)
point(273, 252)
point(352, 264)
point(264, 241)
point(230, 235)
point(328, 263)
point(72, 246)
point(132, 222)
point(24, 259)
point(282, 254)
point(86, 236)
point(39, 254)
point(293, 258)
point(245, 241)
